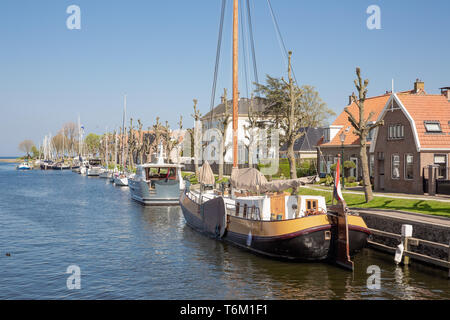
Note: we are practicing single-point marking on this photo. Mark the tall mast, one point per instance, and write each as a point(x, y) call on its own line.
point(235, 83)
point(123, 132)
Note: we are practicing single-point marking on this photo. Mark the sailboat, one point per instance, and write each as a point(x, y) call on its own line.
point(121, 178)
point(258, 216)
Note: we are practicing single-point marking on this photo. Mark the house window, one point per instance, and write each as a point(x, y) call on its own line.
point(370, 135)
point(395, 165)
point(396, 131)
point(433, 126)
point(441, 161)
point(409, 166)
point(371, 164)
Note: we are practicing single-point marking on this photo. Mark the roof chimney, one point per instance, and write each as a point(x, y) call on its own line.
point(419, 85)
point(445, 91)
point(350, 99)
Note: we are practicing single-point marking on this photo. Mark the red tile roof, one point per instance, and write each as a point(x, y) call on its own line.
point(429, 108)
point(374, 104)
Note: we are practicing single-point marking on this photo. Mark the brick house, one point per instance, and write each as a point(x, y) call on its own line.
point(416, 134)
point(330, 146)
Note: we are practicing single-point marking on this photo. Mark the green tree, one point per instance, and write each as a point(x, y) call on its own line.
point(92, 142)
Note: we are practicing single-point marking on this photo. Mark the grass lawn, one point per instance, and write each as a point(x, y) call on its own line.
point(420, 206)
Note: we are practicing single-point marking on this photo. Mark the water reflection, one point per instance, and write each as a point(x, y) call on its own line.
point(127, 251)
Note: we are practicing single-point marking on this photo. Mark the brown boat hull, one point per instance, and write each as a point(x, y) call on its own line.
point(304, 239)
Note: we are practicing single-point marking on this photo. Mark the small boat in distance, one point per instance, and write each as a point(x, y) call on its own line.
point(106, 174)
point(24, 166)
point(121, 180)
point(94, 168)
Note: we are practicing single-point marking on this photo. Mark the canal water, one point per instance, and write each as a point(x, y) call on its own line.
point(50, 220)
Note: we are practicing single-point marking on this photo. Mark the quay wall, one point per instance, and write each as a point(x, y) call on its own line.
point(434, 232)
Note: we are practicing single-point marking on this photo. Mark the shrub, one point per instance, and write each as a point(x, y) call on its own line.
point(350, 179)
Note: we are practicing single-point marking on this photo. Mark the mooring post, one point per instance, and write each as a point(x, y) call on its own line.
point(406, 234)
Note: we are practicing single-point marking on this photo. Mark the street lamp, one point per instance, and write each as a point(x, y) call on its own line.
point(342, 138)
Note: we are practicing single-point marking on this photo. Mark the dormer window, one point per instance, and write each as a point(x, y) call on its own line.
point(326, 135)
point(433, 126)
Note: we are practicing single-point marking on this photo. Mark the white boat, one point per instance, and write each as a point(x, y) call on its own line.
point(94, 168)
point(106, 174)
point(157, 184)
point(121, 180)
point(24, 166)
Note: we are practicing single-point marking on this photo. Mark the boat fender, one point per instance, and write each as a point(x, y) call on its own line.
point(249, 238)
point(217, 231)
point(399, 253)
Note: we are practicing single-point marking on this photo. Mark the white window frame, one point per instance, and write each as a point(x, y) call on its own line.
point(406, 164)
point(392, 166)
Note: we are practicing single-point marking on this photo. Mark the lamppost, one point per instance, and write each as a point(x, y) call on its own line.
point(342, 138)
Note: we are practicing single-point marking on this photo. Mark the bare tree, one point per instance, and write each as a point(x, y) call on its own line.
point(196, 136)
point(26, 146)
point(223, 128)
point(70, 132)
point(362, 127)
point(293, 109)
point(251, 132)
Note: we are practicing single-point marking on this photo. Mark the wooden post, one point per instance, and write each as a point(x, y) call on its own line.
point(407, 230)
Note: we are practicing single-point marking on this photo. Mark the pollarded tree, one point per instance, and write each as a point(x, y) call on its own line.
point(293, 108)
point(225, 122)
point(196, 136)
point(362, 127)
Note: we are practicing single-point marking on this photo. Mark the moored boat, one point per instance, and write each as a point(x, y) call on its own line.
point(157, 184)
point(106, 174)
point(275, 224)
point(24, 166)
point(94, 167)
point(121, 180)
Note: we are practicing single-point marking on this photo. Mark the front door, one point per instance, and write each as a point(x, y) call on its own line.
point(381, 174)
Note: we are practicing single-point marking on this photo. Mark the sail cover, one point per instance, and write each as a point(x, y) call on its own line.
point(206, 175)
point(247, 179)
point(252, 180)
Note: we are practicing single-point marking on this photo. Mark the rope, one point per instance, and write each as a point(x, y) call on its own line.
point(280, 37)
point(252, 42)
point(244, 48)
point(216, 69)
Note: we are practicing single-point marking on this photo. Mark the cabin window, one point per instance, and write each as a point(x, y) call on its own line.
point(312, 205)
point(395, 164)
point(409, 166)
point(433, 126)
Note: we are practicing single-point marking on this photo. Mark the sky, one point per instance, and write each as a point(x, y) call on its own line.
point(162, 55)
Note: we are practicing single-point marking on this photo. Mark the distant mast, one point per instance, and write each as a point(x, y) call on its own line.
point(235, 83)
point(123, 132)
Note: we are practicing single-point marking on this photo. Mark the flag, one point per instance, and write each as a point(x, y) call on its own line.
point(337, 194)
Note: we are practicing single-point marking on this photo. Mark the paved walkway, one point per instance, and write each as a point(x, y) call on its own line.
point(408, 217)
point(388, 195)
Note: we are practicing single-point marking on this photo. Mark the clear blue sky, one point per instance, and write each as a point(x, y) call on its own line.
point(162, 53)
